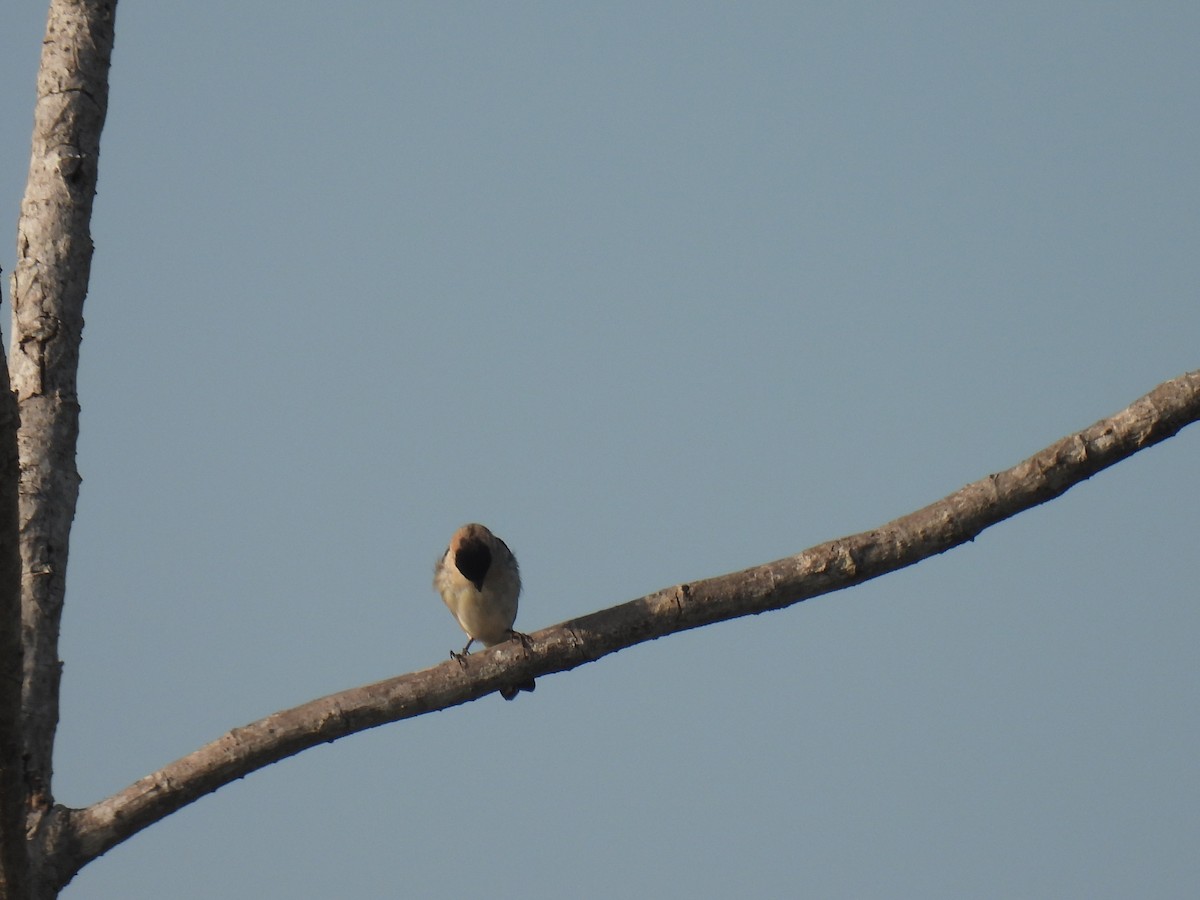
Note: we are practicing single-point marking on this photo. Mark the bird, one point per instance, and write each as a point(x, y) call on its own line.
point(479, 581)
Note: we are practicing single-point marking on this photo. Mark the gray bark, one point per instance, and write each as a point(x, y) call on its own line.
point(54, 254)
point(43, 844)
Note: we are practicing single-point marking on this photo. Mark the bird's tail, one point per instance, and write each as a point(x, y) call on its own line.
point(510, 693)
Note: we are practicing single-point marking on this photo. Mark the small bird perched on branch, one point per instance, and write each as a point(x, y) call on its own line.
point(479, 581)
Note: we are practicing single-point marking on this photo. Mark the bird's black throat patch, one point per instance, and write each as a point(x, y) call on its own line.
point(473, 559)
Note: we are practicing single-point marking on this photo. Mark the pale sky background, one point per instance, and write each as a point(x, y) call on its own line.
point(658, 291)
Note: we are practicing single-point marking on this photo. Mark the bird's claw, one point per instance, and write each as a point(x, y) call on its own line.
point(525, 640)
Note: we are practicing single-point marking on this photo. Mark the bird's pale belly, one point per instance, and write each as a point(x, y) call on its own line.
point(482, 616)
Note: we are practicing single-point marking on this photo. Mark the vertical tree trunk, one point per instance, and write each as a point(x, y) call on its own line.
point(54, 254)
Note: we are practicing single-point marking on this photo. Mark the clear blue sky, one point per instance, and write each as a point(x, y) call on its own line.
point(657, 291)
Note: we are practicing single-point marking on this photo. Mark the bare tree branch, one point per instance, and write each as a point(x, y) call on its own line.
point(54, 254)
point(838, 564)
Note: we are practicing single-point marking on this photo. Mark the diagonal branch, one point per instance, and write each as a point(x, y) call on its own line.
point(54, 255)
point(956, 519)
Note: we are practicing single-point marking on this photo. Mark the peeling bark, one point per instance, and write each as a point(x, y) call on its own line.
point(54, 254)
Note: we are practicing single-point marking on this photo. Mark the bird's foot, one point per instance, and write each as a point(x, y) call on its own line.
point(524, 639)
